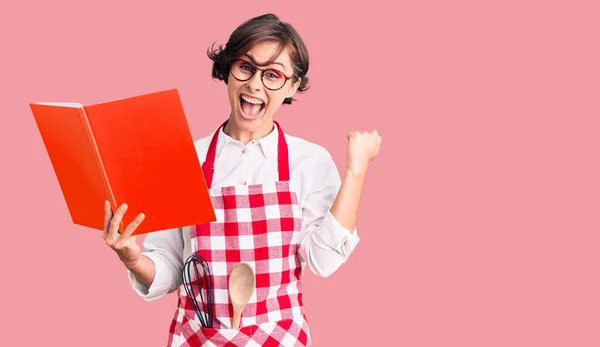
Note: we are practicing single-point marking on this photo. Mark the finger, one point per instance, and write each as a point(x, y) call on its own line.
point(131, 228)
point(377, 147)
point(130, 243)
point(352, 133)
point(374, 132)
point(107, 216)
point(115, 222)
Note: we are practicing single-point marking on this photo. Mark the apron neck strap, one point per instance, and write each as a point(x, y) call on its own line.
point(283, 164)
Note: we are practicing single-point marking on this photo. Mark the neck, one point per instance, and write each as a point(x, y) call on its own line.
point(245, 135)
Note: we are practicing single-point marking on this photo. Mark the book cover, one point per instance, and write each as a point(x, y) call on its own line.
point(137, 150)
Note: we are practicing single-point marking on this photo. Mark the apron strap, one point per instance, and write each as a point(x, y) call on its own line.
point(283, 163)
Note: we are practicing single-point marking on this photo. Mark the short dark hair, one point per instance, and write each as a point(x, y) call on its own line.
point(267, 27)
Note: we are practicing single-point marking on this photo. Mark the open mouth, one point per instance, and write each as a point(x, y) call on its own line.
point(251, 108)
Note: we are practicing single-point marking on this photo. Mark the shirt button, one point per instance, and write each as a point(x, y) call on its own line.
point(253, 142)
point(244, 151)
point(244, 182)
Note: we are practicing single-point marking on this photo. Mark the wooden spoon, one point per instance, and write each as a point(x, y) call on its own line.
point(241, 287)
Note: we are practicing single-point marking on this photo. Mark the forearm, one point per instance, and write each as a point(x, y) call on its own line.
point(345, 205)
point(144, 270)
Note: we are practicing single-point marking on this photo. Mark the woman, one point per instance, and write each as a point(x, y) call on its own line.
point(279, 201)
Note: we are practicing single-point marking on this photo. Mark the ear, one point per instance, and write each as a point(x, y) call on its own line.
point(293, 87)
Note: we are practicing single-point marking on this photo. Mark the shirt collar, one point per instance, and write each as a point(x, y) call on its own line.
point(267, 144)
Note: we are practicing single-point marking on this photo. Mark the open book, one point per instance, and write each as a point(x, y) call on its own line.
point(137, 151)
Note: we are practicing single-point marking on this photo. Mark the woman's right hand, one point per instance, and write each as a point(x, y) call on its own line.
point(123, 244)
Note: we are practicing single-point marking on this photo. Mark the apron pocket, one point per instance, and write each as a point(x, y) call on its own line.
point(287, 332)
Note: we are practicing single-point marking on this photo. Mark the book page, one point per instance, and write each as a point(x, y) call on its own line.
point(65, 104)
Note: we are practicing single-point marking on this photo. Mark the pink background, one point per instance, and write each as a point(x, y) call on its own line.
point(479, 220)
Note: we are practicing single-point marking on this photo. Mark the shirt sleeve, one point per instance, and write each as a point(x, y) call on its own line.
point(165, 249)
point(325, 243)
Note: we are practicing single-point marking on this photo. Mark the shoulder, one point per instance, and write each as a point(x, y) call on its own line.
point(312, 168)
point(304, 150)
point(202, 144)
point(311, 162)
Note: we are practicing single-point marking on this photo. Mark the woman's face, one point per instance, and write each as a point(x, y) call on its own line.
point(253, 106)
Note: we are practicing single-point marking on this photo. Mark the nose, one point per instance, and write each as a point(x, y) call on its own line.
point(255, 83)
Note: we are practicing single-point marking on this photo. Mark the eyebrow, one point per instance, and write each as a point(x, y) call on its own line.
point(275, 62)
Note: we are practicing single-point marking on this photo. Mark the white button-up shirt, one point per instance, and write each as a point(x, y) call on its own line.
point(325, 244)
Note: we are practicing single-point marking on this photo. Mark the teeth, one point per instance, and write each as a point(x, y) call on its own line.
point(252, 100)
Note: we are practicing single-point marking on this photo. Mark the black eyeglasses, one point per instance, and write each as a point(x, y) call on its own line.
point(272, 79)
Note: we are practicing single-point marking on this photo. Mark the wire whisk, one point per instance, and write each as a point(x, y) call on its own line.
point(192, 279)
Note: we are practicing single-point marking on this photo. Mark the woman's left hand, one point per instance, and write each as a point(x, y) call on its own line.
point(363, 146)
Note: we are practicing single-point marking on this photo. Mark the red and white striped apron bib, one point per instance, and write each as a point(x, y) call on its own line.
point(260, 225)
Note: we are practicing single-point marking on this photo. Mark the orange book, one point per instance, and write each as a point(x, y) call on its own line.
point(137, 151)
